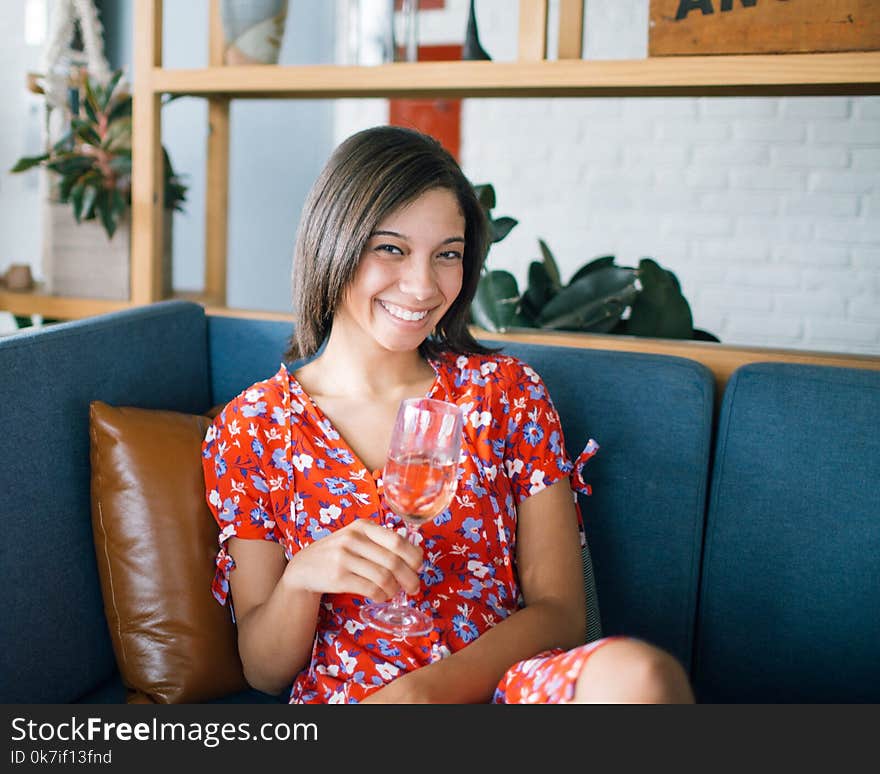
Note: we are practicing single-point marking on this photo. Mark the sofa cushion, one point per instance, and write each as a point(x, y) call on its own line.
point(791, 580)
point(156, 541)
point(652, 417)
point(53, 634)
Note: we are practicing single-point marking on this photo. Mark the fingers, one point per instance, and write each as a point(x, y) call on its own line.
point(391, 540)
point(385, 558)
point(375, 581)
point(361, 558)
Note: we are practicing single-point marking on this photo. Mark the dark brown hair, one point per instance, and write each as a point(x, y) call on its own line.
point(370, 175)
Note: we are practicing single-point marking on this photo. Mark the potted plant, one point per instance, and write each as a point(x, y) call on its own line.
point(601, 297)
point(90, 170)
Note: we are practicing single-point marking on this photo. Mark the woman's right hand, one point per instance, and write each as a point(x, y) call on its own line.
point(362, 558)
point(276, 601)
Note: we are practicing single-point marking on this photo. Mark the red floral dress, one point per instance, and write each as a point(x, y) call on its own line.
point(276, 469)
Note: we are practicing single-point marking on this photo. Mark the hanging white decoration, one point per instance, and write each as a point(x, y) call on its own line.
point(59, 59)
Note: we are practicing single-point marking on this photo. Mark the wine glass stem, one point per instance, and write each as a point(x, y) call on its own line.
point(401, 599)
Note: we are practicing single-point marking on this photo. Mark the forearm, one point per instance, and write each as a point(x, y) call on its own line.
point(471, 674)
point(275, 638)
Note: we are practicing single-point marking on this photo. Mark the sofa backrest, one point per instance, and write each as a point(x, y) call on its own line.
point(242, 352)
point(790, 598)
point(789, 579)
point(53, 632)
point(651, 415)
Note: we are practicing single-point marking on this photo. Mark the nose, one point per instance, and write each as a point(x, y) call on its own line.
point(417, 279)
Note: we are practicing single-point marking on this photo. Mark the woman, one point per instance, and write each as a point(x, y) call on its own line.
point(388, 256)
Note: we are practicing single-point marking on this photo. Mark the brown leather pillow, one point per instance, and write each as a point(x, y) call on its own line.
point(156, 541)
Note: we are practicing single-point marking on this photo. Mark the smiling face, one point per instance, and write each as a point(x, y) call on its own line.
point(408, 275)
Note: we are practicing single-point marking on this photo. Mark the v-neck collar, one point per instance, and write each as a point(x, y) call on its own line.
point(329, 429)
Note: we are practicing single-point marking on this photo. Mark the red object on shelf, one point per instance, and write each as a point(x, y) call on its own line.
point(424, 5)
point(440, 118)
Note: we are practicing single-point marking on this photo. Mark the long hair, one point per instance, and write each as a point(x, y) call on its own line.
point(370, 175)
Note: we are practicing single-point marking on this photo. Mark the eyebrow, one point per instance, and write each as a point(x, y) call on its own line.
point(380, 232)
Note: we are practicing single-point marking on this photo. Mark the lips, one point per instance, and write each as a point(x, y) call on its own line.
point(403, 314)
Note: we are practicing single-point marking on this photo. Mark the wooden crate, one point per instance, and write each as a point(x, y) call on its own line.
point(762, 26)
point(80, 260)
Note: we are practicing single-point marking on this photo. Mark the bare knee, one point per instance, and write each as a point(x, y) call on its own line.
point(632, 672)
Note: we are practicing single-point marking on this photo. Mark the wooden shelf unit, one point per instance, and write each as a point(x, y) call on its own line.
point(784, 74)
point(532, 75)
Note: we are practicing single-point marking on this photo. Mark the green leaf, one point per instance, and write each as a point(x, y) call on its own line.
point(175, 190)
point(76, 199)
point(175, 194)
point(64, 187)
point(120, 110)
point(121, 164)
point(597, 263)
point(65, 144)
point(166, 163)
point(83, 194)
point(90, 103)
point(603, 292)
point(495, 303)
point(104, 210)
point(661, 310)
point(70, 164)
point(117, 203)
point(550, 264)
point(28, 162)
point(485, 195)
point(85, 131)
point(118, 137)
point(90, 194)
point(605, 316)
point(110, 88)
point(501, 227)
point(539, 290)
point(90, 112)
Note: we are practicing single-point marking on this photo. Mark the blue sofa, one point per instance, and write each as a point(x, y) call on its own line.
point(743, 537)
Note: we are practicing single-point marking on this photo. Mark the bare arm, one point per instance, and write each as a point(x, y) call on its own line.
point(551, 578)
point(276, 602)
point(276, 624)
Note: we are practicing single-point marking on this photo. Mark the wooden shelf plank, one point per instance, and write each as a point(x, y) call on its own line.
point(73, 308)
point(722, 359)
point(59, 307)
point(781, 74)
point(250, 314)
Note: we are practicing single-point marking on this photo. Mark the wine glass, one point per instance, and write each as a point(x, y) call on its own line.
point(419, 478)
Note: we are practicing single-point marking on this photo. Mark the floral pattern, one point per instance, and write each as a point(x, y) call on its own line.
point(276, 469)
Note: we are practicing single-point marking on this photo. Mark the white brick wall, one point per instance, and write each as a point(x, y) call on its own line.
point(767, 209)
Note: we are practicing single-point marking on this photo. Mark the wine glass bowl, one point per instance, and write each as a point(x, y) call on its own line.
point(419, 482)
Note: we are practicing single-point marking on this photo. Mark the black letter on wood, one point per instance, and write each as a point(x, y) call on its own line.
point(686, 6)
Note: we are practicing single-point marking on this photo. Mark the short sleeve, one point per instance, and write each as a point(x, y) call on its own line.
point(244, 462)
point(535, 455)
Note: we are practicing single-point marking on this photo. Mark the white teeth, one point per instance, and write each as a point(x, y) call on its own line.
point(403, 314)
